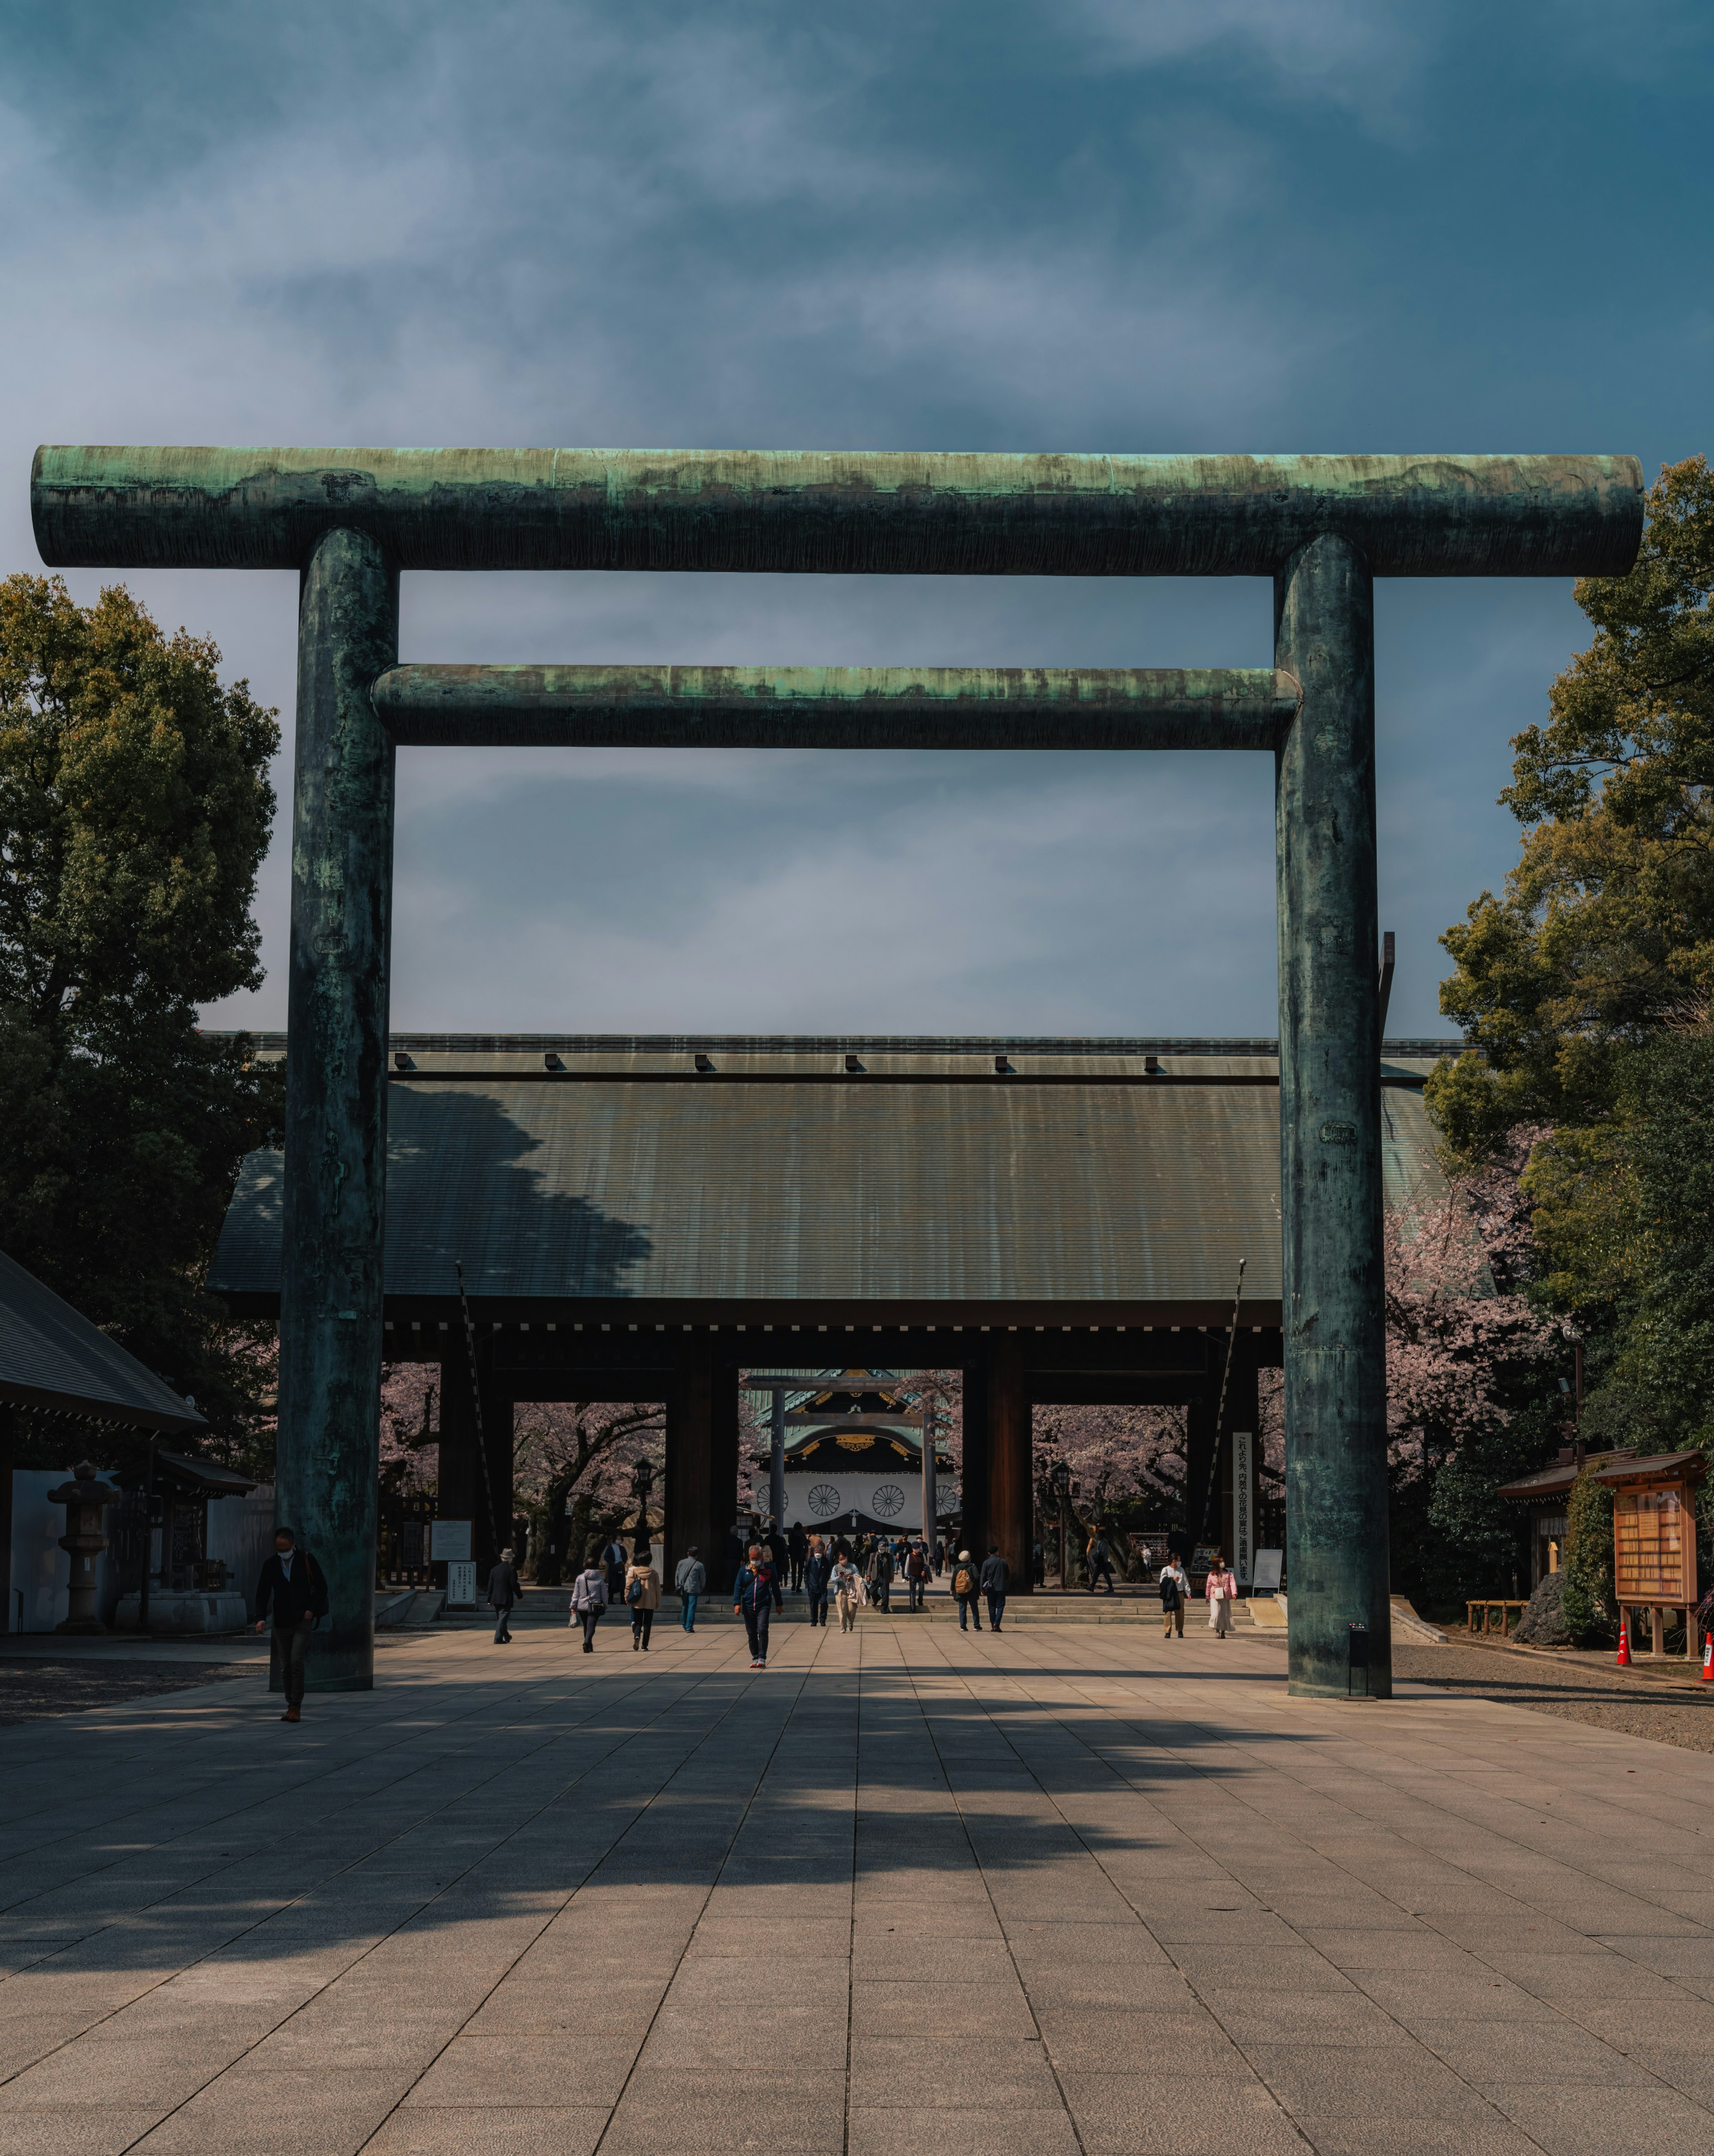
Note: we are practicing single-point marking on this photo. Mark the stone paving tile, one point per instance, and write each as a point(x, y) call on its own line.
point(1178, 2114)
point(539, 1910)
point(534, 2130)
point(103, 2130)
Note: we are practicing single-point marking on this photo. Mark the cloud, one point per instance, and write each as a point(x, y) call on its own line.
point(1350, 52)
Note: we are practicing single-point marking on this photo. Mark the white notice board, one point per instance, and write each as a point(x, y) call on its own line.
point(460, 1584)
point(1269, 1565)
point(449, 1539)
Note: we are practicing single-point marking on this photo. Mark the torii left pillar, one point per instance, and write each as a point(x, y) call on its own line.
point(335, 1093)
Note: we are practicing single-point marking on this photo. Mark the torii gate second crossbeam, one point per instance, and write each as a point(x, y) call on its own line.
point(1320, 527)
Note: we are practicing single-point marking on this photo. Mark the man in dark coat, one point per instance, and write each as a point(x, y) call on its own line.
point(757, 1597)
point(503, 1593)
point(818, 1571)
point(292, 1586)
point(796, 1548)
point(996, 1578)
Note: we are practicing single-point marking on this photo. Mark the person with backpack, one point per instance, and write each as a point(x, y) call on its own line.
point(1100, 1561)
point(1221, 1589)
point(996, 1578)
point(916, 1575)
point(1175, 1586)
point(965, 1588)
point(504, 1592)
point(689, 1579)
point(881, 1575)
point(758, 1596)
point(642, 1595)
point(797, 1550)
point(818, 1572)
point(292, 1582)
point(589, 1600)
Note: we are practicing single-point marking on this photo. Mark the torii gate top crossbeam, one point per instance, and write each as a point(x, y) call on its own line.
point(837, 512)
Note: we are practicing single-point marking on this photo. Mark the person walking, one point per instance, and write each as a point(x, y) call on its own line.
point(642, 1595)
point(1100, 1560)
point(690, 1578)
point(880, 1576)
point(1175, 1586)
point(292, 1584)
point(589, 1600)
point(996, 1578)
point(818, 1571)
point(846, 1584)
point(1222, 1591)
point(777, 1551)
point(504, 1593)
point(758, 1596)
point(797, 1550)
point(613, 1558)
point(916, 1574)
point(965, 1588)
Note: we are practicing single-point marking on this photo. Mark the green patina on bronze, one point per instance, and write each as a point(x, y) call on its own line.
point(896, 512)
point(847, 707)
point(1332, 1273)
point(1322, 527)
point(335, 1093)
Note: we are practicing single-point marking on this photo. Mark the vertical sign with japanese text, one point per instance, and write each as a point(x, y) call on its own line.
point(1243, 1504)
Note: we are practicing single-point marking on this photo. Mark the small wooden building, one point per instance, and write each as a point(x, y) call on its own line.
point(1547, 1493)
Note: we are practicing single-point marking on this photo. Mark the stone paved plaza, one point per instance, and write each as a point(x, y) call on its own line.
point(1070, 1889)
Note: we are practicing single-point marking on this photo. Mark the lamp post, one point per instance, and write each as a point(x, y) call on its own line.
point(1061, 1475)
point(930, 1490)
point(642, 1484)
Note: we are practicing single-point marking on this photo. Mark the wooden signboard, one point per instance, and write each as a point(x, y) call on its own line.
point(1655, 1536)
point(1654, 1548)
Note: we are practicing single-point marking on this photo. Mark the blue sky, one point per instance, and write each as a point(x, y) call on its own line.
point(1091, 224)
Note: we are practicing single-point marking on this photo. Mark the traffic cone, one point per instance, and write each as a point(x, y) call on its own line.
point(1624, 1644)
point(1708, 1659)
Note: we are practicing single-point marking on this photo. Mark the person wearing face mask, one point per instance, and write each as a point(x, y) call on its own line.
point(847, 1585)
point(292, 1583)
point(1175, 1587)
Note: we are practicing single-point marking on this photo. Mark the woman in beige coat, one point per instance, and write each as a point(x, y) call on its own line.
point(642, 1597)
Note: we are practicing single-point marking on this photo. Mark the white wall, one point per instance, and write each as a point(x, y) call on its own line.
point(241, 1531)
point(856, 1492)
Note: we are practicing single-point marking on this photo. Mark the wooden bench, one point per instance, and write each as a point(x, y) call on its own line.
point(1488, 1603)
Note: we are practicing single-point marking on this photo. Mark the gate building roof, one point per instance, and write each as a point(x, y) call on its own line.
point(916, 1182)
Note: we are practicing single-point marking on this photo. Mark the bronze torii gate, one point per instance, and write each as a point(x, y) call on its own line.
point(1320, 527)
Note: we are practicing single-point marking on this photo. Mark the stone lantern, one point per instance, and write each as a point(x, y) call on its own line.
point(85, 1499)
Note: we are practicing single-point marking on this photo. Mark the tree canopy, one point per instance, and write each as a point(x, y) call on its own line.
point(135, 810)
point(1587, 987)
point(1606, 930)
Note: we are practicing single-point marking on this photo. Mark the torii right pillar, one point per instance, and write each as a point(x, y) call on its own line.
point(1330, 1131)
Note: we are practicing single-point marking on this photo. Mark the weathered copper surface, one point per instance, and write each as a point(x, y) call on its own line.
point(1322, 526)
point(877, 707)
point(1332, 1282)
point(335, 1093)
point(874, 511)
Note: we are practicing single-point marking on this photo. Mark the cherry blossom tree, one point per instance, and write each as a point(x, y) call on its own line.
point(1461, 1330)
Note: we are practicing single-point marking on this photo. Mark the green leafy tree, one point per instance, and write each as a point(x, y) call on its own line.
point(1606, 930)
point(135, 809)
point(1589, 1594)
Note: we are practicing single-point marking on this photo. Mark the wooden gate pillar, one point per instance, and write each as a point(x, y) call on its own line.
point(1011, 1495)
point(689, 1488)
